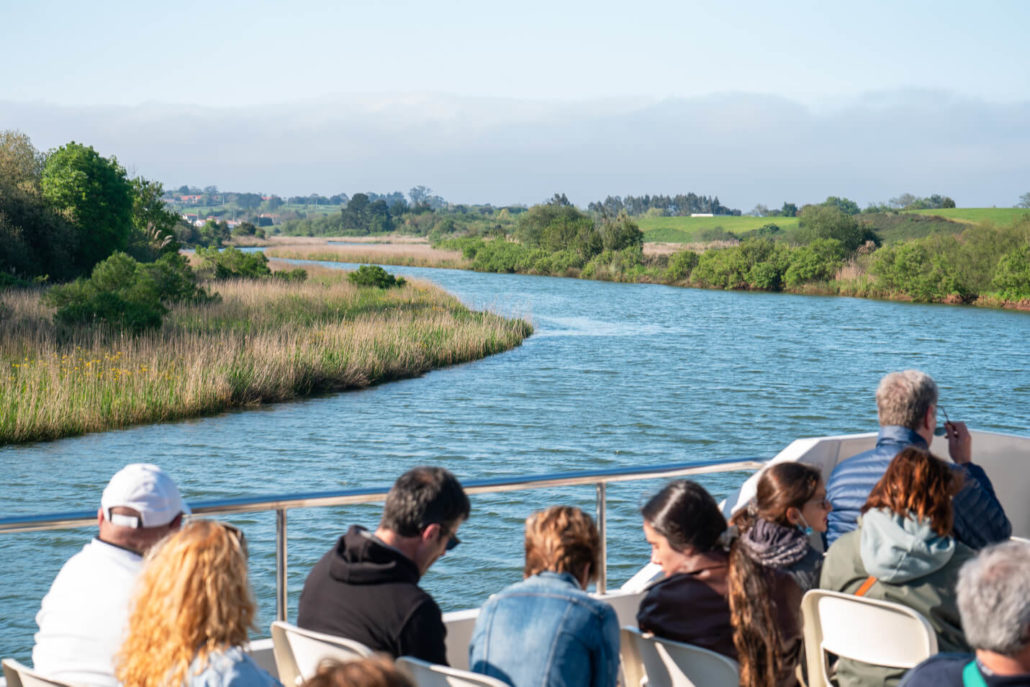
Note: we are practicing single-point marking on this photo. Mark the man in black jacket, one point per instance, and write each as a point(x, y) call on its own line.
point(366, 587)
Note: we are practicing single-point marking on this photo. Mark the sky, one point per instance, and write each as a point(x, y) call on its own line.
point(752, 101)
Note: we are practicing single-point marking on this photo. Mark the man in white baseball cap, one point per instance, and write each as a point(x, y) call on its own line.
point(82, 618)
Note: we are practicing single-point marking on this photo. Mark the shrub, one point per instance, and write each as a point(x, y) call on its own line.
point(126, 294)
point(232, 263)
point(681, 264)
point(296, 275)
point(374, 276)
point(818, 261)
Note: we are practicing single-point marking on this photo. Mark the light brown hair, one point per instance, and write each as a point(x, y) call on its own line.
point(373, 671)
point(562, 539)
point(192, 598)
point(920, 484)
point(780, 486)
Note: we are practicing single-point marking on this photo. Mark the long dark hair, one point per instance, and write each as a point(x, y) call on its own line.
point(780, 486)
point(687, 515)
point(756, 632)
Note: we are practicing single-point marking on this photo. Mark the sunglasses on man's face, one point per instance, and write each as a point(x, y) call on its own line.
point(452, 542)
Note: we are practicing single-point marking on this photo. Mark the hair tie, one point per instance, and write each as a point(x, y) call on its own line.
point(752, 508)
point(728, 536)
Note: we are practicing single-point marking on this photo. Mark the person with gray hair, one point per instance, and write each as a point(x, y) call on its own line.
point(994, 604)
point(906, 404)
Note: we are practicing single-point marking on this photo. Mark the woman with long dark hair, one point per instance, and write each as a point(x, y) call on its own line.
point(789, 505)
point(715, 596)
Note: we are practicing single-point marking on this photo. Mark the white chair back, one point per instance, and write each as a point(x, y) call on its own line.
point(861, 629)
point(299, 652)
point(460, 625)
point(426, 674)
point(18, 675)
point(626, 605)
point(673, 664)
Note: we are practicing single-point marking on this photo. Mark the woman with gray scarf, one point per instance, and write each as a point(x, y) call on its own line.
point(789, 505)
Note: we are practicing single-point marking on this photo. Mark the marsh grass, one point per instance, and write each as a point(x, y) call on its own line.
point(266, 341)
point(407, 254)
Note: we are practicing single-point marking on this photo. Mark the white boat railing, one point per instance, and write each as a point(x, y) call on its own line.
point(282, 503)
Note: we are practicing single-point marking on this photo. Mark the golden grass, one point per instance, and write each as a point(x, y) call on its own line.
point(267, 341)
point(408, 253)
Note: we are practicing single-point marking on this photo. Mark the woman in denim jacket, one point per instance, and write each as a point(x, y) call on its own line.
point(546, 630)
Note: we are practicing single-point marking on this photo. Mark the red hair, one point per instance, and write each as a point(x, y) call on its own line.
point(920, 484)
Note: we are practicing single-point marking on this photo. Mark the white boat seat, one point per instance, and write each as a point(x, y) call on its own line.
point(665, 663)
point(18, 675)
point(426, 674)
point(861, 629)
point(298, 652)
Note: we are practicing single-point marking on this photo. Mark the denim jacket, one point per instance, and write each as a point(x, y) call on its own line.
point(546, 632)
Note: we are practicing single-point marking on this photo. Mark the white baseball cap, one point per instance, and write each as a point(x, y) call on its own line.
point(145, 488)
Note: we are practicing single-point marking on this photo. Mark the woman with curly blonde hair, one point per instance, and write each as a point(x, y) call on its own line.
point(191, 614)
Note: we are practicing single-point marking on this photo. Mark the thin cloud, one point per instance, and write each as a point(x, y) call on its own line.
point(746, 148)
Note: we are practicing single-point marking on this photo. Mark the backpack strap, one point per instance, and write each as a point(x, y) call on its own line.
point(869, 582)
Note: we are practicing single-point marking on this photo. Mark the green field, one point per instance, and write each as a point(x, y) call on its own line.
point(691, 229)
point(1002, 217)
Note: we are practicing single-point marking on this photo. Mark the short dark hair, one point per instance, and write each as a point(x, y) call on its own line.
point(421, 497)
point(685, 514)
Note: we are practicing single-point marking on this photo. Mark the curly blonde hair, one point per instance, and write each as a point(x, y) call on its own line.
point(562, 539)
point(191, 599)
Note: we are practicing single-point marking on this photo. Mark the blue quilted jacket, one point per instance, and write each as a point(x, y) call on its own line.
point(979, 518)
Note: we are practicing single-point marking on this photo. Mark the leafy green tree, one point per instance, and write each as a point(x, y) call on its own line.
point(1024, 201)
point(830, 222)
point(35, 240)
point(789, 210)
point(845, 205)
point(620, 233)
point(95, 195)
point(153, 224)
point(1012, 276)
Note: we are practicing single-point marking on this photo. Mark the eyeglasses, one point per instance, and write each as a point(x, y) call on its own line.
point(823, 503)
point(943, 429)
point(452, 542)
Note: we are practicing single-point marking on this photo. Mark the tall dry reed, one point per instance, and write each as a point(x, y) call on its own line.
point(266, 341)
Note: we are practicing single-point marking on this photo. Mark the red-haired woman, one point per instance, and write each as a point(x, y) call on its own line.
point(904, 551)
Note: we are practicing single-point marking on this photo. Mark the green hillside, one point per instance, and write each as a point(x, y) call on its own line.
point(691, 229)
point(1002, 217)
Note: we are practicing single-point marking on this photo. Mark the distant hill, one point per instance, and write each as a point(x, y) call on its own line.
point(892, 226)
point(693, 229)
point(1002, 217)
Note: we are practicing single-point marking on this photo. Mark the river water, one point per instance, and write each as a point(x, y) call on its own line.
point(616, 375)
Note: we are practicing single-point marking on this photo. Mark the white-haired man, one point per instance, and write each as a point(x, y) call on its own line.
point(906, 403)
point(994, 603)
point(82, 618)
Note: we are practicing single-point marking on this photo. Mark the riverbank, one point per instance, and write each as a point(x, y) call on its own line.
point(265, 342)
point(676, 265)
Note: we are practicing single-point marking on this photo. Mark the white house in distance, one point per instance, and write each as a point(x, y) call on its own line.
point(702, 214)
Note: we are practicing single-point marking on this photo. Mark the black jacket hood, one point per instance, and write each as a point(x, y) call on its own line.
point(361, 558)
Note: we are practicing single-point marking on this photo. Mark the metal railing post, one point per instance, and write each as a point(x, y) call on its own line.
point(602, 526)
point(280, 564)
